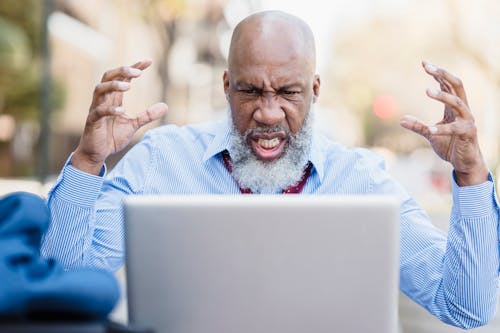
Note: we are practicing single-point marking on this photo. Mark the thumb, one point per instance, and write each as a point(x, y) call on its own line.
point(416, 125)
point(154, 112)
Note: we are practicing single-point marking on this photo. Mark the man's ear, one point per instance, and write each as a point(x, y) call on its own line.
point(316, 85)
point(225, 80)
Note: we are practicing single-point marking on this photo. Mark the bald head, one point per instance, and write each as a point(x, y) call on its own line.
point(272, 35)
point(271, 79)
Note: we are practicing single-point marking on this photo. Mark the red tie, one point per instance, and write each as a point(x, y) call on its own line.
point(292, 189)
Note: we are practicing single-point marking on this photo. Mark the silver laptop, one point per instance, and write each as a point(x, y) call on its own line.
point(266, 264)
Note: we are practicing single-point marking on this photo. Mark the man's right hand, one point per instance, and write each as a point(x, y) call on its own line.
point(108, 128)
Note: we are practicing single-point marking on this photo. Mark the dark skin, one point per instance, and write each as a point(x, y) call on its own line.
point(271, 79)
point(108, 128)
point(271, 82)
point(454, 138)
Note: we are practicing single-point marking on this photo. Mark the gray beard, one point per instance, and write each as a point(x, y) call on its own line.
point(275, 176)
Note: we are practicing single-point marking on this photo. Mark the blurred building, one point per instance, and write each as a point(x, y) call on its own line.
point(181, 37)
point(369, 56)
point(376, 75)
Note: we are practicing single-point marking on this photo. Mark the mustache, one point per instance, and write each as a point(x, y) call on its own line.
point(266, 130)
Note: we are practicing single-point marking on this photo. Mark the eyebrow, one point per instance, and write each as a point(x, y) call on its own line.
point(291, 86)
point(241, 84)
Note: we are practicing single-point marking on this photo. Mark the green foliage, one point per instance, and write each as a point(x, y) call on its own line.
point(20, 54)
point(26, 15)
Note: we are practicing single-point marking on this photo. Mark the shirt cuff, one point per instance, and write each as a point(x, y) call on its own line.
point(475, 200)
point(79, 187)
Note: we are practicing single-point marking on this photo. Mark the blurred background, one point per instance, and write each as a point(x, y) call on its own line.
point(369, 57)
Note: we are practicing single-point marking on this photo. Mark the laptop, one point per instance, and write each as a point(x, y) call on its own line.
point(267, 264)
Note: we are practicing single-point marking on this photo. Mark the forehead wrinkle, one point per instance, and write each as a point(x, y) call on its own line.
point(277, 78)
point(269, 86)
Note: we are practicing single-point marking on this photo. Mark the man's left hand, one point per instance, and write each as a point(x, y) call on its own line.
point(454, 138)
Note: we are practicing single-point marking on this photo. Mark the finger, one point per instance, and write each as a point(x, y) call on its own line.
point(430, 69)
point(124, 73)
point(416, 125)
point(111, 86)
point(143, 64)
point(104, 88)
point(445, 87)
point(105, 111)
point(433, 70)
point(154, 112)
point(447, 129)
point(444, 76)
point(448, 116)
point(457, 105)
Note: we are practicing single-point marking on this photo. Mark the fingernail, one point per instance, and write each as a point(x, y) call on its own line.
point(134, 71)
point(123, 85)
point(409, 118)
point(433, 92)
point(433, 129)
point(430, 67)
point(119, 109)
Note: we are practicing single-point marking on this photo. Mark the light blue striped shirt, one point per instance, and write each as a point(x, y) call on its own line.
point(454, 275)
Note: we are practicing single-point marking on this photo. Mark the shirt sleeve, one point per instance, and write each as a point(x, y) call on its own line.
point(86, 227)
point(454, 275)
point(72, 215)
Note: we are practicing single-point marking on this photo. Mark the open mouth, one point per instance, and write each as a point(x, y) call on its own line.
point(268, 144)
point(268, 147)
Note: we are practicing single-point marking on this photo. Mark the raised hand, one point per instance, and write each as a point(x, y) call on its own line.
point(108, 128)
point(454, 138)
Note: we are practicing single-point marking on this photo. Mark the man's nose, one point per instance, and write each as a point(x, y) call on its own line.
point(269, 111)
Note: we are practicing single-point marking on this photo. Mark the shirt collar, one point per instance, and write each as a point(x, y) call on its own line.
point(222, 141)
point(317, 153)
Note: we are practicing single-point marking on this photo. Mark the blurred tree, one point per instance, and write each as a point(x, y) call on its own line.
point(371, 67)
point(177, 21)
point(381, 57)
point(164, 15)
point(20, 52)
point(18, 44)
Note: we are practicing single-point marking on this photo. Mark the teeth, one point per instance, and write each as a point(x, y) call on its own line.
point(268, 144)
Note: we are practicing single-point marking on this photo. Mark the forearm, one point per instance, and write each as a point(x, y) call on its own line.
point(72, 208)
point(469, 292)
point(77, 241)
point(455, 275)
point(87, 214)
point(67, 237)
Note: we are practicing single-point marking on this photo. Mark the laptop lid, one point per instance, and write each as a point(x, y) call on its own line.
point(251, 263)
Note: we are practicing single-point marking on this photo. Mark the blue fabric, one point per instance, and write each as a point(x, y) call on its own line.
point(454, 275)
point(34, 287)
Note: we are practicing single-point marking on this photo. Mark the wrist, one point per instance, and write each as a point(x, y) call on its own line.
point(474, 177)
point(85, 163)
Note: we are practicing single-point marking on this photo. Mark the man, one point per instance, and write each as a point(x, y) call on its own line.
point(267, 146)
